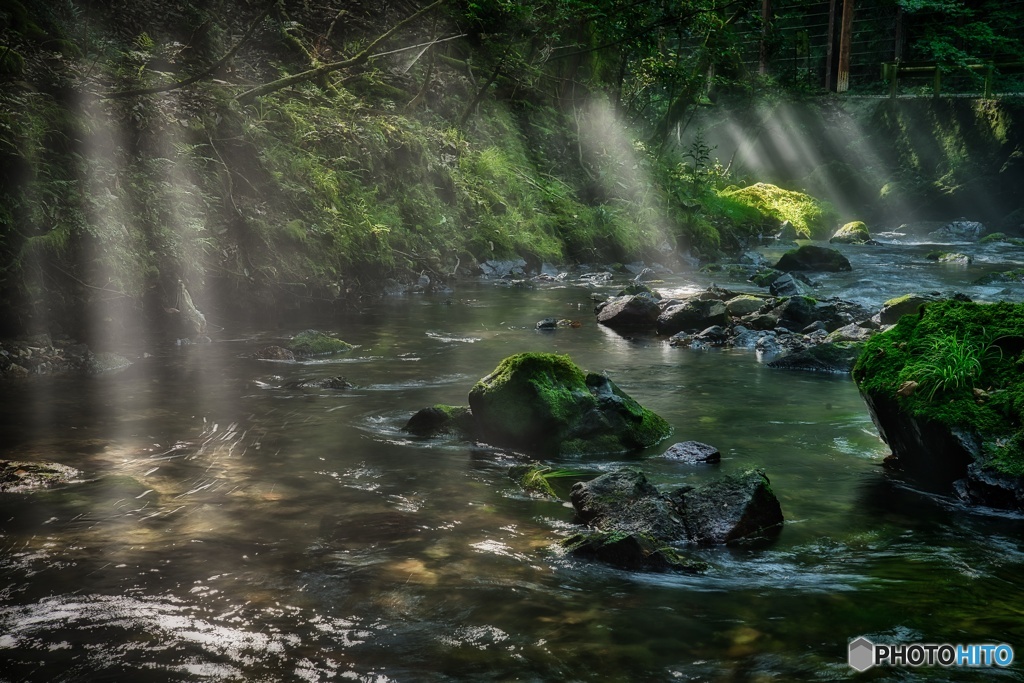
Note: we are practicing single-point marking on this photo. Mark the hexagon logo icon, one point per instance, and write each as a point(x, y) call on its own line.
point(862, 654)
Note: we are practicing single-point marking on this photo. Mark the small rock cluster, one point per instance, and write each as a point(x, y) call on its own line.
point(42, 355)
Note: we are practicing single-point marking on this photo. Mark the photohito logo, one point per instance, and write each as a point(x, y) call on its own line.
point(863, 654)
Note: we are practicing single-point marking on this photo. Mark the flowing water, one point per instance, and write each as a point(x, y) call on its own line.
point(228, 528)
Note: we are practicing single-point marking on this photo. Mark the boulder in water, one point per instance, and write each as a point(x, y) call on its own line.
point(855, 232)
point(811, 257)
point(544, 403)
point(632, 311)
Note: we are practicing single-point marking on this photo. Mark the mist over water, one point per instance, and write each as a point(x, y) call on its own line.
point(231, 528)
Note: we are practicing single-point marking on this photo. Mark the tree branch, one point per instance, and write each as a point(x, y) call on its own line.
point(324, 69)
point(209, 71)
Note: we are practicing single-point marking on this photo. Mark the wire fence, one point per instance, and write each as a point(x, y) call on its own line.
point(800, 44)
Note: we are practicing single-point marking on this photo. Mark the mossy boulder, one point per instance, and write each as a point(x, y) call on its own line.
point(855, 232)
point(314, 343)
point(744, 304)
point(908, 304)
point(692, 315)
point(946, 390)
point(953, 257)
point(543, 403)
point(812, 218)
point(811, 257)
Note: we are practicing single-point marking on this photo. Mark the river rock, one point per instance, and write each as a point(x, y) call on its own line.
point(854, 332)
point(693, 452)
point(836, 358)
point(630, 551)
point(743, 304)
point(19, 476)
point(625, 501)
point(441, 420)
point(811, 257)
point(692, 315)
point(736, 508)
point(316, 343)
point(790, 284)
point(498, 269)
point(274, 353)
point(544, 404)
point(954, 258)
point(319, 383)
point(958, 231)
point(630, 312)
point(855, 232)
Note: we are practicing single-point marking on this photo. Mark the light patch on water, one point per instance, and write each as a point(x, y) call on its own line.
point(494, 547)
point(479, 637)
point(441, 336)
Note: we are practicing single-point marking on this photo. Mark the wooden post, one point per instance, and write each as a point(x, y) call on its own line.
point(829, 51)
point(937, 85)
point(766, 20)
point(845, 41)
point(892, 71)
point(989, 69)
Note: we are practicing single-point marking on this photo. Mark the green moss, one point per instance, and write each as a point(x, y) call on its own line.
point(855, 232)
point(314, 343)
point(950, 350)
point(993, 237)
point(1003, 277)
point(811, 217)
point(544, 403)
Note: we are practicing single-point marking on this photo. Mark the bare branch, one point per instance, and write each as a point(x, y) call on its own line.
point(200, 76)
point(365, 55)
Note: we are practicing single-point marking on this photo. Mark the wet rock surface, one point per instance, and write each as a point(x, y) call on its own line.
point(17, 476)
point(41, 355)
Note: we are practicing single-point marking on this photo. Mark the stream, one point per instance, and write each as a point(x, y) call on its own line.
point(228, 528)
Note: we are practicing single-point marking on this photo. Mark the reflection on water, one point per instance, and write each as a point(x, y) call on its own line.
point(232, 528)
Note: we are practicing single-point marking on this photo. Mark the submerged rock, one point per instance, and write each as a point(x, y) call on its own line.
point(339, 383)
point(838, 357)
point(544, 403)
point(631, 551)
point(274, 353)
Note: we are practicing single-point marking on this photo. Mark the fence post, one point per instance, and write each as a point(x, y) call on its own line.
point(845, 40)
point(937, 85)
point(893, 70)
point(989, 69)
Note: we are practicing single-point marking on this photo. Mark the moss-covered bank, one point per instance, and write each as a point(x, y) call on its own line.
point(959, 364)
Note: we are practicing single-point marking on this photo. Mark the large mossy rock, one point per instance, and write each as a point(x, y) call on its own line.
point(908, 304)
point(811, 217)
point(811, 257)
point(855, 232)
point(543, 403)
point(946, 390)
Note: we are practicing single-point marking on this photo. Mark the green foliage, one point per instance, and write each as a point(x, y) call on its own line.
point(811, 217)
point(951, 349)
